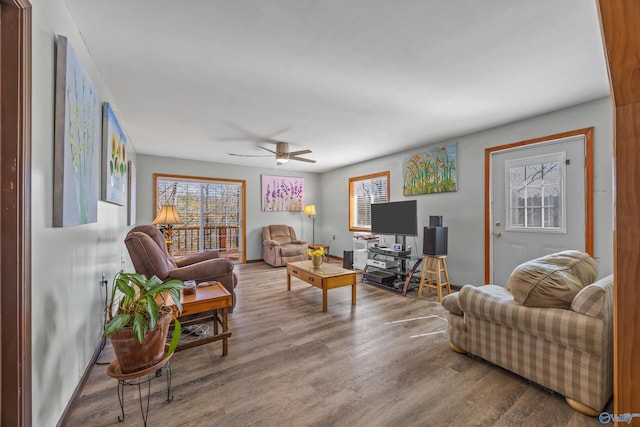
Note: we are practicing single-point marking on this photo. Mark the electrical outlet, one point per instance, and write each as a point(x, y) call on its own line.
point(334, 237)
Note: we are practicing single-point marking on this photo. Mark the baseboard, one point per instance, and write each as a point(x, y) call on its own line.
point(83, 380)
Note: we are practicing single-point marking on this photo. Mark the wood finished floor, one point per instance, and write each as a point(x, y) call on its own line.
point(384, 362)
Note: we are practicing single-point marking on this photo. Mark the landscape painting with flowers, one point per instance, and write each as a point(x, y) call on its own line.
point(433, 171)
point(114, 155)
point(282, 193)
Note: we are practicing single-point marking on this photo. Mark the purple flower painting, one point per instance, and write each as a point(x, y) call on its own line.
point(282, 193)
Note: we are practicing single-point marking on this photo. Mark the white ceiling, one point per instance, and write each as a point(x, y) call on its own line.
point(349, 79)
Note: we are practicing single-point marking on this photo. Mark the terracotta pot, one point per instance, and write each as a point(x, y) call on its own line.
point(134, 356)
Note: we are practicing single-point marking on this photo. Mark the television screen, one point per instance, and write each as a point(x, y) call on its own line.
point(395, 218)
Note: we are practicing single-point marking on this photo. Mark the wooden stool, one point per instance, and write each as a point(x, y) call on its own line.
point(435, 265)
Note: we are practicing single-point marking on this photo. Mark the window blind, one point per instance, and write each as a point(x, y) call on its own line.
point(363, 192)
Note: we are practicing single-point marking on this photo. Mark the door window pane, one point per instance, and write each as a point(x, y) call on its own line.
point(535, 193)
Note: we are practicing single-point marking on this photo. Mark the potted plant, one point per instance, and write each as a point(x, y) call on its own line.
point(139, 317)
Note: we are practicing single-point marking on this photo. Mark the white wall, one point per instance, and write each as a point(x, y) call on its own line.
point(463, 211)
point(256, 219)
point(67, 263)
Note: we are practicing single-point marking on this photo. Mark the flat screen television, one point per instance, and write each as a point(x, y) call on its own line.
point(395, 218)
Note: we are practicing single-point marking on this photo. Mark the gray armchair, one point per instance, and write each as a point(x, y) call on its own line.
point(280, 245)
point(148, 251)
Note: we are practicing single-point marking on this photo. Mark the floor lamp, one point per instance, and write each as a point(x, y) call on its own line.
point(167, 217)
point(311, 211)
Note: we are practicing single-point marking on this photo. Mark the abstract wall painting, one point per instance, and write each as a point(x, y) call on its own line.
point(77, 141)
point(433, 171)
point(282, 193)
point(114, 158)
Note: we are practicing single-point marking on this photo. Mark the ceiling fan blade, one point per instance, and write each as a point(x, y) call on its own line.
point(296, 153)
point(301, 159)
point(265, 148)
point(249, 155)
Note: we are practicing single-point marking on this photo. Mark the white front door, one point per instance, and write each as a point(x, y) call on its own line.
point(537, 203)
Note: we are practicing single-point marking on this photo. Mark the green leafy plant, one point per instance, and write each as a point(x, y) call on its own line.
point(138, 307)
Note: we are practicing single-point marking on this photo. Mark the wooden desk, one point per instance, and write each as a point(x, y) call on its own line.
point(325, 277)
point(213, 303)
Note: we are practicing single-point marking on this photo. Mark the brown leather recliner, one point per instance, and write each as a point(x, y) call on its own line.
point(148, 251)
point(280, 245)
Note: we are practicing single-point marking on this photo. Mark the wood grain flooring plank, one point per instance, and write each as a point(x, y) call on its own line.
point(384, 362)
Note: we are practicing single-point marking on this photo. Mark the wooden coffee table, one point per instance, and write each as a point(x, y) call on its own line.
point(211, 303)
point(325, 277)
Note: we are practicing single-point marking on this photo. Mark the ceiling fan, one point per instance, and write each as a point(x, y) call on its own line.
point(282, 153)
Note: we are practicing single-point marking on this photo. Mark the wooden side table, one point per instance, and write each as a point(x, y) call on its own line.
point(139, 378)
point(435, 266)
point(210, 302)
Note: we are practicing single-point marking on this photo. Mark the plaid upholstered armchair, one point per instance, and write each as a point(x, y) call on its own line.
point(553, 326)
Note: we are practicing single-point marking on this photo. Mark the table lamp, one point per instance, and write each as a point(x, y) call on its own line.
point(311, 211)
point(167, 217)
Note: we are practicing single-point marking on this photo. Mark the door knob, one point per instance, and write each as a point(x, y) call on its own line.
point(498, 234)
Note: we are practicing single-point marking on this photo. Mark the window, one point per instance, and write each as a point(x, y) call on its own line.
point(535, 193)
point(211, 211)
point(363, 191)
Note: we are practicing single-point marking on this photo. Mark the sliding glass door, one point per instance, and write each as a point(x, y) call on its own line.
point(211, 212)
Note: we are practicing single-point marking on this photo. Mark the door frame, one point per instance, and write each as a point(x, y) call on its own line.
point(588, 188)
point(15, 222)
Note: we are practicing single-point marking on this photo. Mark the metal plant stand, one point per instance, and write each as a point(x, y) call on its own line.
point(138, 379)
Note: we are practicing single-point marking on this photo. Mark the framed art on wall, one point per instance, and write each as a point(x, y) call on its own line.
point(282, 193)
point(432, 171)
point(114, 158)
point(77, 141)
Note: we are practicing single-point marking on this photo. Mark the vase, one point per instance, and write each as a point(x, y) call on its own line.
point(316, 260)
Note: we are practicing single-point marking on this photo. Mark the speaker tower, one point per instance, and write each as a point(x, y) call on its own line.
point(435, 241)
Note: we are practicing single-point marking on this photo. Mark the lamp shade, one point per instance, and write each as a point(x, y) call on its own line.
point(310, 210)
point(168, 215)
